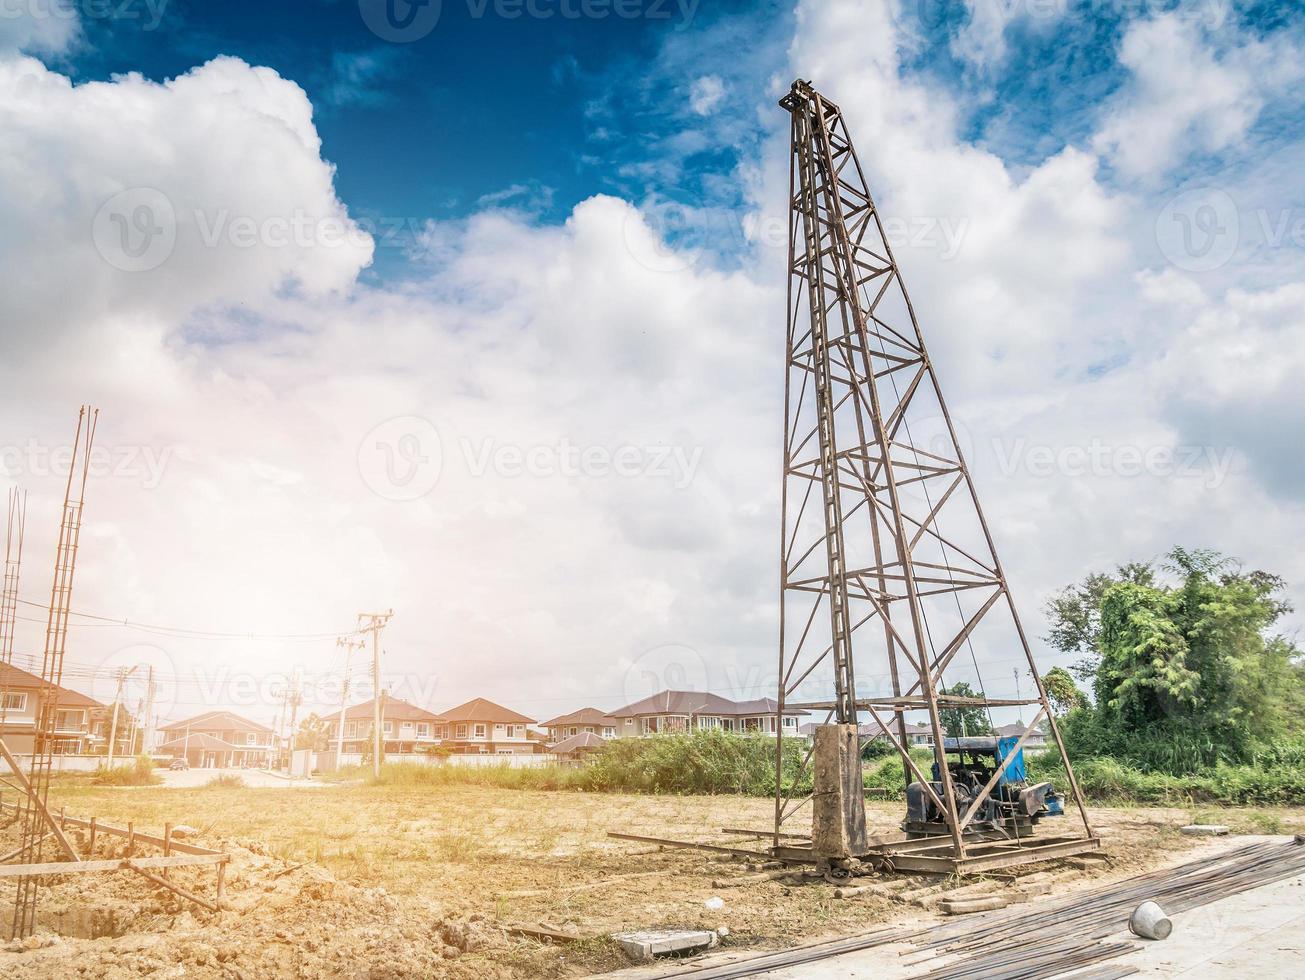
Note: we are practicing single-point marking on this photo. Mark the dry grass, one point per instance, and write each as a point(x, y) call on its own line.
point(542, 856)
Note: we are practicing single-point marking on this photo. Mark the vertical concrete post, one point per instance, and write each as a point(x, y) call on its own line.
point(838, 806)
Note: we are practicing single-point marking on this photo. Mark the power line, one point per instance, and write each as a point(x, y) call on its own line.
point(183, 631)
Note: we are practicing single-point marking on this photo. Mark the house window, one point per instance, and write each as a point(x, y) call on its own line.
point(15, 702)
point(504, 752)
point(573, 731)
point(387, 727)
point(609, 733)
point(480, 731)
point(790, 721)
point(460, 731)
point(423, 729)
point(351, 730)
point(498, 728)
point(68, 721)
point(251, 738)
point(407, 726)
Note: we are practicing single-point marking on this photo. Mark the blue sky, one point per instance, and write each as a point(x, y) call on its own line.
point(1100, 220)
point(480, 105)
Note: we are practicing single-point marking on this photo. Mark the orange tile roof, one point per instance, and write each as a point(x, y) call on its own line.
point(585, 716)
point(16, 679)
point(479, 709)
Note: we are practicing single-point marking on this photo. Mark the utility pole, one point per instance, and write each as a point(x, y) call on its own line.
point(147, 743)
point(1018, 696)
point(295, 697)
point(123, 674)
point(373, 623)
point(350, 645)
point(280, 728)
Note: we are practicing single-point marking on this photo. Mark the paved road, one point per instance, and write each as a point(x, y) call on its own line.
point(252, 777)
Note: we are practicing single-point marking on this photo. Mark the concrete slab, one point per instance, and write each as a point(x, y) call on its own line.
point(1204, 830)
point(642, 947)
point(1260, 933)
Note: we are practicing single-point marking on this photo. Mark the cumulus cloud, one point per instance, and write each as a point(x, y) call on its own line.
point(564, 382)
point(1185, 94)
point(46, 28)
point(1052, 352)
point(706, 93)
point(555, 453)
point(157, 198)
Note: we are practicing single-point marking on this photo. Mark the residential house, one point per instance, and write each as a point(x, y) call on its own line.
point(483, 727)
point(1037, 740)
point(219, 740)
point(916, 733)
point(574, 748)
point(585, 721)
point(684, 711)
point(20, 697)
point(404, 726)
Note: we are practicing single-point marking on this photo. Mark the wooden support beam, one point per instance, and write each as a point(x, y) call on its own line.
point(164, 883)
point(692, 845)
point(35, 801)
point(110, 864)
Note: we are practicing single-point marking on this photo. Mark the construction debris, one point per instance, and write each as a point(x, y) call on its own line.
point(1205, 830)
point(1061, 937)
point(1150, 922)
point(642, 947)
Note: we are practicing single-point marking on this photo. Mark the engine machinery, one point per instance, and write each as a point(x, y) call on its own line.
point(1010, 811)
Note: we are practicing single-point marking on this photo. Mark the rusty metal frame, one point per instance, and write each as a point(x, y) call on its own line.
point(858, 592)
point(35, 816)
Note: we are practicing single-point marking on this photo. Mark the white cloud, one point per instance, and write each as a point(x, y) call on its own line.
point(1184, 95)
point(157, 199)
point(43, 27)
point(1041, 290)
point(705, 94)
point(606, 405)
point(981, 40)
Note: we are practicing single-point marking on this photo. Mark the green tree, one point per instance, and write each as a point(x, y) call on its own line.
point(1186, 670)
point(965, 720)
point(1062, 692)
point(311, 733)
point(1075, 614)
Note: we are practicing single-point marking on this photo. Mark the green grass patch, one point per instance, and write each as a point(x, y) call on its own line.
point(139, 773)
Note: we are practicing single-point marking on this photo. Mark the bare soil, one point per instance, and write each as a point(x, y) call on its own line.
point(364, 882)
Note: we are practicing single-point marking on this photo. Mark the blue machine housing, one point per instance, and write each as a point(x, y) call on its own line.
point(1013, 803)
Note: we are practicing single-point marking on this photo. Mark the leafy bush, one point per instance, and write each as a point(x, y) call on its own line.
point(229, 780)
point(139, 773)
point(1278, 779)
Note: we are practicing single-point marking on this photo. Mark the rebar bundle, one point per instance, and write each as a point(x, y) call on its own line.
point(1056, 937)
point(35, 817)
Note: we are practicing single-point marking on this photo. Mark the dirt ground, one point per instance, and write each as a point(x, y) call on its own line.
point(355, 881)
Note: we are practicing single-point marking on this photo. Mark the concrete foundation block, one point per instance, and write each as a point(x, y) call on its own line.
point(1205, 830)
point(642, 947)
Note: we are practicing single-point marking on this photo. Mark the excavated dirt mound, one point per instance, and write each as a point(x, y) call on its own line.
point(280, 919)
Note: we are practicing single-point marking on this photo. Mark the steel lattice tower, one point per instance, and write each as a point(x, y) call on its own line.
point(888, 569)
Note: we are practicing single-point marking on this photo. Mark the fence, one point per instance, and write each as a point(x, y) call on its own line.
point(325, 761)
